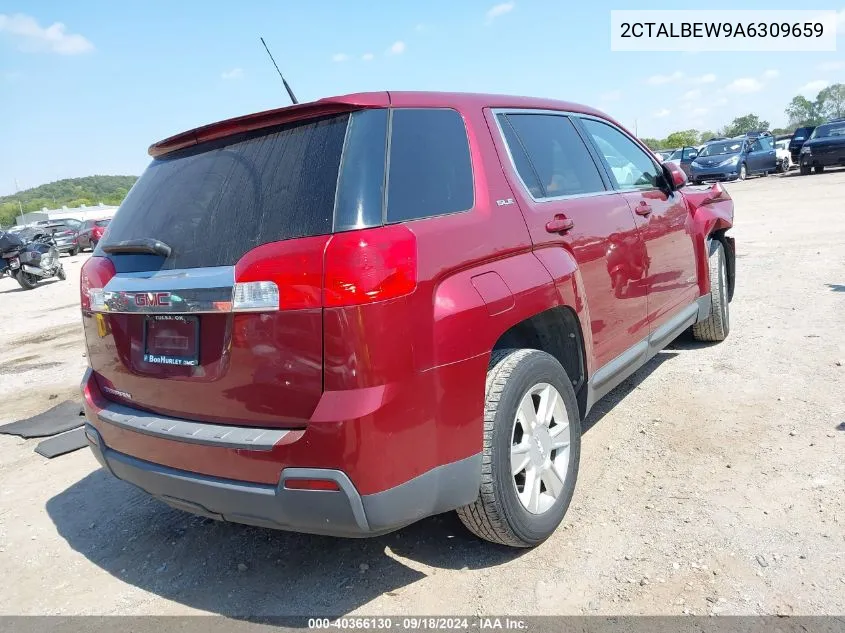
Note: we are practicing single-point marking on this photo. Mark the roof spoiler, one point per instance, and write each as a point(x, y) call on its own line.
point(268, 118)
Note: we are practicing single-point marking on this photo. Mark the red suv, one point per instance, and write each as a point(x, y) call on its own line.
point(343, 316)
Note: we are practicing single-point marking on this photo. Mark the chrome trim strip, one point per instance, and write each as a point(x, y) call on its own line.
point(181, 291)
point(217, 435)
point(175, 279)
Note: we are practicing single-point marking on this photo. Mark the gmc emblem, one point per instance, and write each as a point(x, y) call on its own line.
point(152, 299)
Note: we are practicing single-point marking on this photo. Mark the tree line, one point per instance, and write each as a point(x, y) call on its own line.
point(828, 104)
point(70, 192)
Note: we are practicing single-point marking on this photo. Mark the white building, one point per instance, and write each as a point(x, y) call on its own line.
point(81, 213)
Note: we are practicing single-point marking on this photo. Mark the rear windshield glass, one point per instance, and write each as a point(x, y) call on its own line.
point(213, 203)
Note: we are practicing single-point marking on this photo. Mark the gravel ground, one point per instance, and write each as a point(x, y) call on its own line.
point(711, 481)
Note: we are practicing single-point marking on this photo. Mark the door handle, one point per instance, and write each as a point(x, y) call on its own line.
point(643, 209)
point(560, 224)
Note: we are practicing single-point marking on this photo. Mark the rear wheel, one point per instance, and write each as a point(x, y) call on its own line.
point(743, 172)
point(805, 169)
point(819, 168)
point(532, 444)
point(717, 324)
point(26, 281)
point(60, 273)
point(93, 245)
point(74, 251)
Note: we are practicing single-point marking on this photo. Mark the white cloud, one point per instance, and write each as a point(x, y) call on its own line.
point(659, 114)
point(499, 10)
point(719, 102)
point(699, 112)
point(771, 74)
point(340, 57)
point(613, 95)
point(840, 22)
point(708, 78)
point(691, 95)
point(745, 85)
point(659, 80)
point(235, 73)
point(831, 65)
point(397, 49)
point(32, 37)
point(812, 88)
point(367, 57)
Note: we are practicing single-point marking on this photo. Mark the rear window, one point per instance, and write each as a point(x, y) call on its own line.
point(213, 203)
point(802, 133)
point(102, 223)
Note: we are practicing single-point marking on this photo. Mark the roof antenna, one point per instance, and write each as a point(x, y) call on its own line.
point(287, 87)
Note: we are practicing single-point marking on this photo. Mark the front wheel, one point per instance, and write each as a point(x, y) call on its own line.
point(819, 168)
point(743, 172)
point(60, 273)
point(26, 280)
point(717, 324)
point(805, 169)
point(532, 445)
point(74, 251)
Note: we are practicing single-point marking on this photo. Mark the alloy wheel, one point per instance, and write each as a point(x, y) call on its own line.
point(540, 444)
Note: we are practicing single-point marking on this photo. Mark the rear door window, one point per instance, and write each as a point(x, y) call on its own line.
point(213, 203)
point(556, 156)
point(429, 168)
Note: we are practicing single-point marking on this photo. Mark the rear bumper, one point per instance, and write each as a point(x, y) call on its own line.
point(343, 512)
point(165, 457)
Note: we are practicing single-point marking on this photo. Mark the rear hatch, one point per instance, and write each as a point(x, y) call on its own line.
point(203, 301)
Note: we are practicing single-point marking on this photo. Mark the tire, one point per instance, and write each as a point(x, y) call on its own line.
point(93, 244)
point(743, 172)
point(60, 273)
point(818, 168)
point(499, 515)
point(74, 251)
point(717, 324)
point(26, 281)
point(805, 169)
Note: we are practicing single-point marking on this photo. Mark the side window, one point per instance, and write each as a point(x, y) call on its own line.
point(629, 165)
point(520, 158)
point(557, 156)
point(766, 142)
point(85, 225)
point(756, 146)
point(430, 169)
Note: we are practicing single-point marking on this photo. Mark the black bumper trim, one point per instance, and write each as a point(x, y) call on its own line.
point(334, 513)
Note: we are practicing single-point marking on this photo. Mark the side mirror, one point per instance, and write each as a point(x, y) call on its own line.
point(674, 175)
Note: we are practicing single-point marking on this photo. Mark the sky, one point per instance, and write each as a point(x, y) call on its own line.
point(86, 87)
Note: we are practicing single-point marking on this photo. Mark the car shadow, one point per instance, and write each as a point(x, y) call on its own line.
point(17, 287)
point(619, 393)
point(242, 571)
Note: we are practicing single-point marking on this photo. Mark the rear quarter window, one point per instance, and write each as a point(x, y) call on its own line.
point(429, 167)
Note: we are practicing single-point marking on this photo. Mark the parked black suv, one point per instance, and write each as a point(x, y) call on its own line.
point(797, 142)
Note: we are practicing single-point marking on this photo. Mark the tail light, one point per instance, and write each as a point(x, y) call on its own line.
point(281, 275)
point(96, 273)
point(370, 265)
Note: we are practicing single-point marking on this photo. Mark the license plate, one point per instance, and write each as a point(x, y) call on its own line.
point(171, 339)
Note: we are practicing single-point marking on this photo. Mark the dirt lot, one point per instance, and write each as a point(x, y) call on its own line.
point(711, 482)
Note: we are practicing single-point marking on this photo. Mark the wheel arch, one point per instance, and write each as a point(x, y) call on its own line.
point(556, 331)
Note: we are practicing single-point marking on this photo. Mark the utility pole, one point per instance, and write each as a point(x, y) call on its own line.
point(20, 206)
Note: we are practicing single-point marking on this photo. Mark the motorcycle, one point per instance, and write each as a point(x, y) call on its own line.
point(29, 261)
